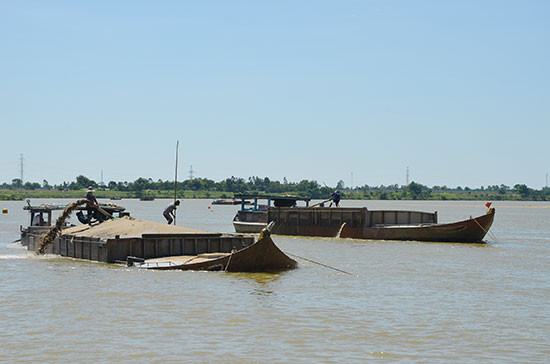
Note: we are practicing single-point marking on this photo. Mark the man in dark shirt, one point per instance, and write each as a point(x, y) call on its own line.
point(92, 203)
point(169, 213)
point(335, 198)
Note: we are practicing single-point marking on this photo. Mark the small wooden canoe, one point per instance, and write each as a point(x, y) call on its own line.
point(261, 256)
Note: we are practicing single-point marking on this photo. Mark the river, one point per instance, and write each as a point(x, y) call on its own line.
point(404, 302)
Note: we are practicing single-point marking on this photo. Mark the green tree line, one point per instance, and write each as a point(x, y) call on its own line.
point(305, 188)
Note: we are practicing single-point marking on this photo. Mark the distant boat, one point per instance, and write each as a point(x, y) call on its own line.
point(232, 201)
point(116, 198)
point(147, 198)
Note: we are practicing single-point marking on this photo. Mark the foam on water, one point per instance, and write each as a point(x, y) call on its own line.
point(13, 256)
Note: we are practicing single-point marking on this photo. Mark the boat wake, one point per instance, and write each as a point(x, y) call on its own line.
point(14, 256)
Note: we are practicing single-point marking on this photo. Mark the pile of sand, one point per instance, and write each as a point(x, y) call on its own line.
point(127, 227)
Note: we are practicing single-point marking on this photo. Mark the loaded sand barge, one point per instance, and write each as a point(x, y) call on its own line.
point(153, 245)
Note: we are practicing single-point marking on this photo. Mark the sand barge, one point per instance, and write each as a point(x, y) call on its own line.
point(117, 239)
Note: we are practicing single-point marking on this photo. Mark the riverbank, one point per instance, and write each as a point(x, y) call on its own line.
point(18, 195)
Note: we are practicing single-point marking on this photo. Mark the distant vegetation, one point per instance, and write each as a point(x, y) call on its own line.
point(206, 188)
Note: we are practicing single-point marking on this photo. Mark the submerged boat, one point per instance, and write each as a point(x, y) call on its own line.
point(261, 256)
point(362, 223)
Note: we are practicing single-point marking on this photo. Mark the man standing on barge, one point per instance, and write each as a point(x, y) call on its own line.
point(335, 196)
point(169, 213)
point(92, 204)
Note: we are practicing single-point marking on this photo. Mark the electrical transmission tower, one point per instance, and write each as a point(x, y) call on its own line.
point(407, 176)
point(191, 172)
point(21, 164)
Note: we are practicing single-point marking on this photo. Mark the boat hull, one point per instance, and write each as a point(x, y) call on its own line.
point(248, 227)
point(378, 224)
point(472, 230)
point(250, 222)
point(261, 256)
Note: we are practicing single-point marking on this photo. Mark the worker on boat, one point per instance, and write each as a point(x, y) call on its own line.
point(335, 196)
point(169, 213)
point(92, 203)
point(38, 220)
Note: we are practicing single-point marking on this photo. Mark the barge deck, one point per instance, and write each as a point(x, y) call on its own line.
point(115, 240)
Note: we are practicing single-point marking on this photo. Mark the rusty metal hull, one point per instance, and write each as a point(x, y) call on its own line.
point(359, 225)
point(261, 256)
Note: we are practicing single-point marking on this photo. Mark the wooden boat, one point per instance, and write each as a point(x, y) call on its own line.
point(248, 227)
point(226, 202)
point(261, 256)
point(378, 224)
point(472, 230)
point(361, 223)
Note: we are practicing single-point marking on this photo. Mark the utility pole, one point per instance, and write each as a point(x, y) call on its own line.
point(351, 187)
point(176, 179)
point(191, 172)
point(101, 177)
point(21, 163)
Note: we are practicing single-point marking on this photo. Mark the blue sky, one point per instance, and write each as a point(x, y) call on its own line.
point(458, 91)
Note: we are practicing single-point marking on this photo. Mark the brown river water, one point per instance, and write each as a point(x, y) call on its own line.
point(405, 302)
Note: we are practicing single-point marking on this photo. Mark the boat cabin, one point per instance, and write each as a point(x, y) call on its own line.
point(41, 218)
point(278, 201)
point(253, 219)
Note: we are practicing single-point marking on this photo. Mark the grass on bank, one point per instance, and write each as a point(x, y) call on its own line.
point(18, 195)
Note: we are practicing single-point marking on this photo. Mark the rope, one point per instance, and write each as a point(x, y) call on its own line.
point(228, 261)
point(324, 265)
point(486, 232)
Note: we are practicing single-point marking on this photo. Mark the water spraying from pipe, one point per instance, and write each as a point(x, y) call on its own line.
point(54, 231)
